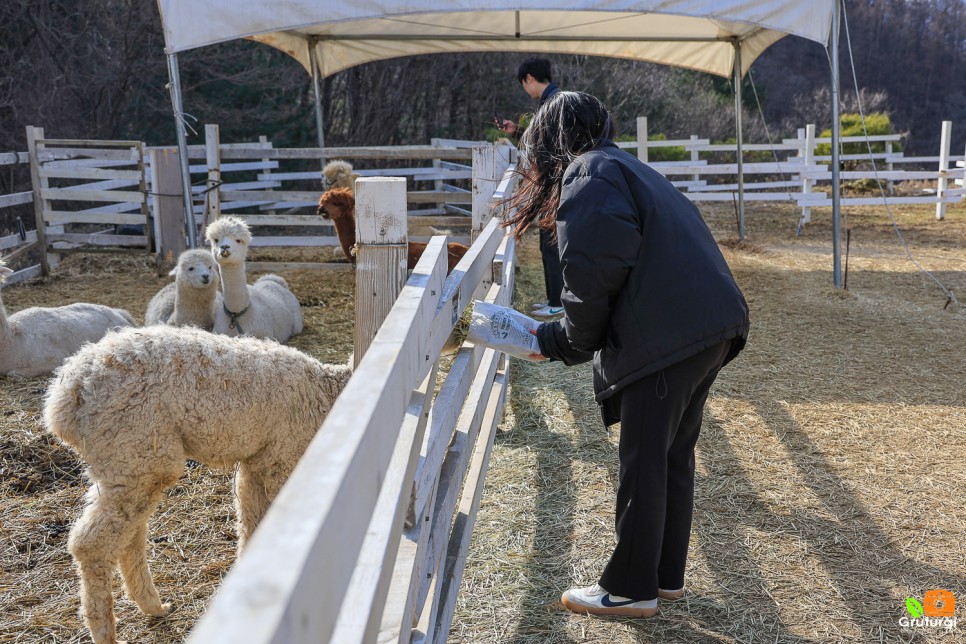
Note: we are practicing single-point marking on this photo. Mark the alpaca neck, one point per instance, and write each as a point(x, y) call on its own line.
point(4, 324)
point(235, 287)
point(193, 306)
point(345, 230)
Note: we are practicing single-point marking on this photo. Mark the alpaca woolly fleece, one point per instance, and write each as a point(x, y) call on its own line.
point(140, 402)
point(338, 174)
point(265, 309)
point(191, 299)
point(36, 341)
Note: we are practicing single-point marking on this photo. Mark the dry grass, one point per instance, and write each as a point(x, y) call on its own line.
point(830, 478)
point(830, 472)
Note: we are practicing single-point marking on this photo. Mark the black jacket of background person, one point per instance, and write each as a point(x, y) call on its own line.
point(645, 285)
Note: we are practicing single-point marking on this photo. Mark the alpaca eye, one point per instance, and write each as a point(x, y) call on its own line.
point(191, 269)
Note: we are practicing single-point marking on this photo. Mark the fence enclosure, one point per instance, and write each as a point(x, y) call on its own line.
point(275, 190)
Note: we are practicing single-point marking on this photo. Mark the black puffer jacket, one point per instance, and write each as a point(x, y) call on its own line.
point(645, 285)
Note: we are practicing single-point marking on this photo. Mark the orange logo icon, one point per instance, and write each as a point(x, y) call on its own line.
point(939, 603)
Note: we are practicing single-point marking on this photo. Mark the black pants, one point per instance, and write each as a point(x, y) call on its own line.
point(660, 422)
point(552, 271)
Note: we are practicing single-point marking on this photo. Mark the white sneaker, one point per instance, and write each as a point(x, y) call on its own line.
point(597, 601)
point(547, 311)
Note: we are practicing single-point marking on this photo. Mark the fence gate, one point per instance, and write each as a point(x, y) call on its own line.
point(89, 196)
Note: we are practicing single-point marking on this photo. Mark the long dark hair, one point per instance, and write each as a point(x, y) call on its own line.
point(568, 125)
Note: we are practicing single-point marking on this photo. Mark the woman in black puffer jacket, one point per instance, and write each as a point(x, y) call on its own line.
point(648, 296)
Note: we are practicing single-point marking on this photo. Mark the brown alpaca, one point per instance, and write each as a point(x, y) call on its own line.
point(339, 205)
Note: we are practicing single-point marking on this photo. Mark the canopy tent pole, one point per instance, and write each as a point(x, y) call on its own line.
point(836, 204)
point(316, 89)
point(174, 78)
point(739, 141)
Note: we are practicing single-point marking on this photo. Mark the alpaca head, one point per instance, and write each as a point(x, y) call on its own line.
point(229, 238)
point(338, 205)
point(197, 268)
point(338, 174)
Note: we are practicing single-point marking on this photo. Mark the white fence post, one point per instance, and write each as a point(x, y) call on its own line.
point(213, 160)
point(381, 256)
point(642, 138)
point(943, 168)
point(35, 134)
point(487, 172)
point(809, 154)
point(695, 158)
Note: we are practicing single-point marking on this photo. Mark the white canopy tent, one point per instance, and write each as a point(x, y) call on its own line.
point(722, 37)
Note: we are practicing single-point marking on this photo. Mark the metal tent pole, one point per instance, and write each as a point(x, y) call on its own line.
point(191, 227)
point(316, 89)
point(740, 141)
point(836, 204)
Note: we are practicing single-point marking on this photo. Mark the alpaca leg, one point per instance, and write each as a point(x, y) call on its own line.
point(137, 575)
point(251, 503)
point(94, 544)
point(255, 489)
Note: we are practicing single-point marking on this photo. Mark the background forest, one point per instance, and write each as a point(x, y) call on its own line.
point(96, 69)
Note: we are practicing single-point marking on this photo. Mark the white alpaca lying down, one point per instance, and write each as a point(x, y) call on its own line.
point(140, 402)
point(191, 299)
point(35, 341)
point(267, 308)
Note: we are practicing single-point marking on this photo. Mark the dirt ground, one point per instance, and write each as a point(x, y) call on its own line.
point(830, 476)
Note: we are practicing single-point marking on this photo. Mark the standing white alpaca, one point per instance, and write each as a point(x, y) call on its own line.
point(267, 308)
point(35, 341)
point(140, 402)
point(191, 299)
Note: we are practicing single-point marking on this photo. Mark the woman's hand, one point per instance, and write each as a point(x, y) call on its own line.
point(536, 356)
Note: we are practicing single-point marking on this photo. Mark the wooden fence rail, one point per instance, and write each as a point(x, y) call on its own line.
point(272, 189)
point(381, 507)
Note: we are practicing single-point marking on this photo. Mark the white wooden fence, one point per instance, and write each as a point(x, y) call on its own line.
point(367, 540)
point(254, 181)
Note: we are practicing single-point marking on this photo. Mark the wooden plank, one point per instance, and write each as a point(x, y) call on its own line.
point(39, 184)
point(469, 504)
point(97, 173)
point(25, 274)
point(23, 250)
point(13, 158)
point(283, 220)
point(97, 239)
point(169, 212)
point(302, 240)
point(57, 148)
point(359, 620)
point(453, 472)
point(381, 253)
point(67, 194)
point(435, 196)
point(390, 152)
point(85, 217)
point(16, 199)
point(274, 267)
point(761, 185)
point(11, 241)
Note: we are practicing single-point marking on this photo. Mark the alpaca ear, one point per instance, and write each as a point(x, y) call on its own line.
point(173, 271)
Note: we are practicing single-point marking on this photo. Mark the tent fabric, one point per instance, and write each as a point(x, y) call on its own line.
point(698, 34)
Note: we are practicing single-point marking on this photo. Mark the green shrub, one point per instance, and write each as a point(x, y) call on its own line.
point(876, 123)
point(670, 153)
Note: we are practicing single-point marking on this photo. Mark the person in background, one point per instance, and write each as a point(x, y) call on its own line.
point(535, 77)
point(648, 296)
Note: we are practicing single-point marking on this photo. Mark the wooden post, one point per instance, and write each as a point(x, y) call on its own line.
point(168, 204)
point(943, 168)
point(695, 158)
point(263, 140)
point(809, 153)
point(213, 160)
point(487, 172)
point(642, 138)
point(889, 167)
point(381, 238)
point(39, 183)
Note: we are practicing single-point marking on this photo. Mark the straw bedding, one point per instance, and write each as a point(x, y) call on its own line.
point(829, 476)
